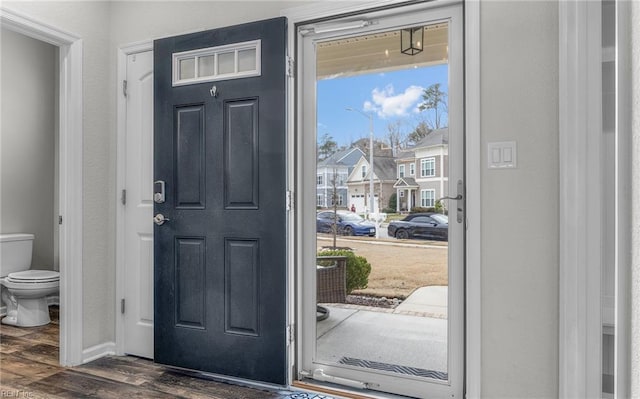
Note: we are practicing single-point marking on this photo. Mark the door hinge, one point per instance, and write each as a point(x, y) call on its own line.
point(59, 219)
point(124, 88)
point(289, 200)
point(122, 306)
point(123, 197)
point(291, 333)
point(291, 67)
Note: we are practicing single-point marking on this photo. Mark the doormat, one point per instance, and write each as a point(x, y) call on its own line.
point(306, 395)
point(394, 368)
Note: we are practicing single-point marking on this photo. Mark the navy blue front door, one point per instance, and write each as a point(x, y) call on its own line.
point(220, 261)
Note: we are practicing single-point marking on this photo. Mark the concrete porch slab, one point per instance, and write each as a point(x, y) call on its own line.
point(427, 302)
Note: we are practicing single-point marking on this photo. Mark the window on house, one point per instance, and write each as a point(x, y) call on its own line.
point(428, 167)
point(319, 180)
point(412, 169)
point(364, 170)
point(339, 199)
point(319, 200)
point(400, 170)
point(427, 198)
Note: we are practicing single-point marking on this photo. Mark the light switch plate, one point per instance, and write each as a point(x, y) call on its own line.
point(502, 155)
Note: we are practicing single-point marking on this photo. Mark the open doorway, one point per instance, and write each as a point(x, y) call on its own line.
point(30, 183)
point(68, 210)
point(384, 221)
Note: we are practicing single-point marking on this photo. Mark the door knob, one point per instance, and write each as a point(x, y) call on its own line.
point(159, 219)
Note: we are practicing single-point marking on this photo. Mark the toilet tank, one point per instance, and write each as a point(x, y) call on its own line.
point(15, 253)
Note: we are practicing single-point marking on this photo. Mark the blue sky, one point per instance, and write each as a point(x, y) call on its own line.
point(389, 96)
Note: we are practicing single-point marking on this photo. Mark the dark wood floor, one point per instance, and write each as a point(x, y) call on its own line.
point(29, 369)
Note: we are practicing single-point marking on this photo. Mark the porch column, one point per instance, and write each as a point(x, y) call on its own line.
point(397, 200)
point(409, 200)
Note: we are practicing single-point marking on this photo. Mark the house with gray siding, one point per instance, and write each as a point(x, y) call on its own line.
point(422, 172)
point(338, 166)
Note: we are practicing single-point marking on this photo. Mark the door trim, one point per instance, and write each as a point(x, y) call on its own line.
point(580, 113)
point(70, 186)
point(121, 170)
point(473, 204)
point(580, 116)
point(472, 170)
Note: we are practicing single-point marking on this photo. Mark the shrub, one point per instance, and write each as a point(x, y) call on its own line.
point(358, 268)
point(419, 209)
point(393, 201)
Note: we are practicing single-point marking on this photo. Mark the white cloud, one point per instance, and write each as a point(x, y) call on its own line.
point(388, 104)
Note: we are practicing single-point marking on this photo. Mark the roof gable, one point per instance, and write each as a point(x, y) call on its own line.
point(347, 157)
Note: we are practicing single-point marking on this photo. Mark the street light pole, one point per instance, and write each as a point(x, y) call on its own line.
point(371, 195)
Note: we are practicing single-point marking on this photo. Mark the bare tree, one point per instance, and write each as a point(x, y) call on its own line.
point(334, 201)
point(396, 136)
point(326, 147)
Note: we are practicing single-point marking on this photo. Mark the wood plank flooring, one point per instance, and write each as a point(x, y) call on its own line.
point(29, 369)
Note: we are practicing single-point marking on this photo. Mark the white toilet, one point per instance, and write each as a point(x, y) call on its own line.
point(24, 291)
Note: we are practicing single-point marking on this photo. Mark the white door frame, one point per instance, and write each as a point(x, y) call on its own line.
point(473, 304)
point(581, 160)
point(121, 170)
point(70, 158)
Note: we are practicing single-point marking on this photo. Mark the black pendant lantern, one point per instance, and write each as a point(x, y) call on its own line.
point(411, 40)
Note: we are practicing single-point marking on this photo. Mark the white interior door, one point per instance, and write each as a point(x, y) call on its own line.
point(138, 309)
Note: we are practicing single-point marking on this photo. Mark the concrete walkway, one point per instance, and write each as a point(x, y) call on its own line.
point(412, 335)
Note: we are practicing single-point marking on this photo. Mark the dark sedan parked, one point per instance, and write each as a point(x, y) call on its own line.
point(432, 226)
point(347, 223)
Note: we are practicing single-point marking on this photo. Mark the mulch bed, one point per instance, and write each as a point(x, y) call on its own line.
point(379, 302)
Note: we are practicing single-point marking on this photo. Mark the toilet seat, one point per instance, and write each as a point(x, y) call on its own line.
point(34, 276)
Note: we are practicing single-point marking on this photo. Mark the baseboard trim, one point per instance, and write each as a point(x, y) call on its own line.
point(98, 351)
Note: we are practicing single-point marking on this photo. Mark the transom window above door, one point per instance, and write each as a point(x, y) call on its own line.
point(231, 61)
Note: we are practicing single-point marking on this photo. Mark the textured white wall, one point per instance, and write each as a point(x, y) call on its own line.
point(520, 254)
point(27, 140)
point(635, 155)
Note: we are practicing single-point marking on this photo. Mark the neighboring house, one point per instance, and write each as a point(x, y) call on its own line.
point(359, 181)
point(339, 165)
point(422, 172)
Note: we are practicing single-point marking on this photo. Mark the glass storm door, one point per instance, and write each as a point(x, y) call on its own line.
point(380, 102)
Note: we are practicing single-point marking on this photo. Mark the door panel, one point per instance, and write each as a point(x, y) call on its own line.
point(138, 316)
point(220, 260)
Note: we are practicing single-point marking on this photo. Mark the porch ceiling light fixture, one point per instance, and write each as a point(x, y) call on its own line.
point(411, 40)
